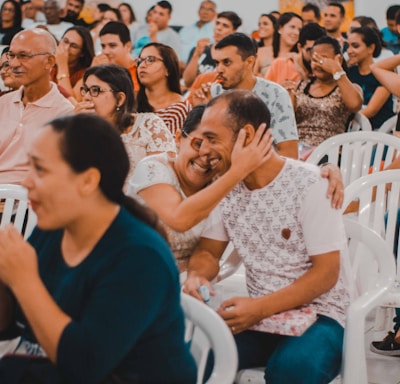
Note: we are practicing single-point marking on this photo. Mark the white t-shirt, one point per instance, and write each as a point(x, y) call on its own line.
point(276, 228)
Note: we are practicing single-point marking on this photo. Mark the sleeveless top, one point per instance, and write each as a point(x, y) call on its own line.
point(319, 118)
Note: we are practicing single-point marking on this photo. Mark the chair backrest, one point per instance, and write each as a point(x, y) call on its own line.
point(377, 198)
point(15, 209)
point(369, 250)
point(359, 123)
point(357, 153)
point(389, 125)
point(206, 330)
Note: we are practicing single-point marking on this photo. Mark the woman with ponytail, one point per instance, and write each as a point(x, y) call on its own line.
point(95, 293)
point(108, 91)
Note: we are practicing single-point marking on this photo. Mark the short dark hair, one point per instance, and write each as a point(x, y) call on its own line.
point(102, 7)
point(193, 119)
point(166, 5)
point(311, 31)
point(117, 28)
point(245, 45)
point(334, 43)
point(338, 5)
point(391, 12)
point(314, 8)
point(233, 17)
point(370, 36)
point(89, 141)
point(244, 107)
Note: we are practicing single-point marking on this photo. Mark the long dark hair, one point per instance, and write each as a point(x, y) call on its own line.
point(283, 20)
point(171, 62)
point(87, 54)
point(17, 12)
point(119, 80)
point(89, 141)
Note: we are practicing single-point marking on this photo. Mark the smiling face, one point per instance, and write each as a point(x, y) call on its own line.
point(324, 51)
point(152, 73)
point(6, 74)
point(35, 69)
point(53, 187)
point(290, 32)
point(265, 27)
point(358, 51)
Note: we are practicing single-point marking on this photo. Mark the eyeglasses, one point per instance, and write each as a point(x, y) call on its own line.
point(5, 66)
point(12, 10)
point(148, 60)
point(24, 56)
point(195, 142)
point(94, 90)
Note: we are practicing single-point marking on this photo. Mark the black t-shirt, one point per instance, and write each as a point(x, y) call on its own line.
point(6, 34)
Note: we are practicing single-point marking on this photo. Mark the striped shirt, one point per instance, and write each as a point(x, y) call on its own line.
point(174, 115)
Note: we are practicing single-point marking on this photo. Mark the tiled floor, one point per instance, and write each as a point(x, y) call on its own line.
point(381, 369)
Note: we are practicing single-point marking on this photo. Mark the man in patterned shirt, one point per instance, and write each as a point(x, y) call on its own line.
point(292, 243)
point(235, 56)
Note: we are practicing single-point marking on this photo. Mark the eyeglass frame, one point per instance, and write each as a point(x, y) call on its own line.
point(192, 140)
point(23, 57)
point(148, 60)
point(83, 90)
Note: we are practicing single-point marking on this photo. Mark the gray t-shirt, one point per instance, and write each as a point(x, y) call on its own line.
point(277, 99)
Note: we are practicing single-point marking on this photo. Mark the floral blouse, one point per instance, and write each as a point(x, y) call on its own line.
point(149, 134)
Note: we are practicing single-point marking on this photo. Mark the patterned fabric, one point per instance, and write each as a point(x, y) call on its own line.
point(155, 170)
point(276, 228)
point(175, 115)
point(319, 118)
point(277, 99)
point(148, 135)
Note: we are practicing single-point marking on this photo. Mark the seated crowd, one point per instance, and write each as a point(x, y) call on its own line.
point(145, 151)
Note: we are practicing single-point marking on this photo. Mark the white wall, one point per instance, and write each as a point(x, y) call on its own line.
point(185, 11)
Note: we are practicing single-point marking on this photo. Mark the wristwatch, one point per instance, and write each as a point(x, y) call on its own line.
point(338, 75)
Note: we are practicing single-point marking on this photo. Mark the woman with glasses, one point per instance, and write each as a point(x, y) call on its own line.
point(94, 294)
point(160, 92)
point(10, 21)
point(7, 76)
point(74, 55)
point(185, 182)
point(107, 90)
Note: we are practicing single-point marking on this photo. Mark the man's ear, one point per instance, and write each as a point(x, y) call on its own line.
point(129, 46)
point(250, 132)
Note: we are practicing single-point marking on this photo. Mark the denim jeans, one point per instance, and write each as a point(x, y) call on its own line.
point(313, 358)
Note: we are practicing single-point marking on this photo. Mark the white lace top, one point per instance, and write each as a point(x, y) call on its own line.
point(149, 134)
point(156, 170)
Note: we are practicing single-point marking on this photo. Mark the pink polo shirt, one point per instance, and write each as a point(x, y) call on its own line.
point(18, 126)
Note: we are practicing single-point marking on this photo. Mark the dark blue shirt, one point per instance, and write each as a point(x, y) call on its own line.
point(124, 299)
point(369, 84)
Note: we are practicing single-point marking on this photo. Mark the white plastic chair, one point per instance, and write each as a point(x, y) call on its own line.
point(375, 202)
point(366, 246)
point(353, 153)
point(359, 123)
point(15, 209)
point(206, 330)
point(389, 125)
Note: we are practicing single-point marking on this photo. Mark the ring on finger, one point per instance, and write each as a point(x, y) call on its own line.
point(321, 61)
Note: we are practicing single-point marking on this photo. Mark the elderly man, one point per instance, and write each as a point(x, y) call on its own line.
point(201, 29)
point(25, 111)
point(293, 246)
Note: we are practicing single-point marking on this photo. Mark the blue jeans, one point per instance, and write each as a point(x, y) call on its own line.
point(313, 358)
